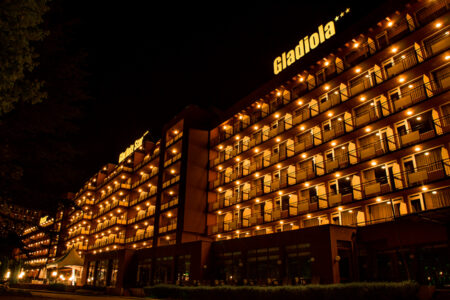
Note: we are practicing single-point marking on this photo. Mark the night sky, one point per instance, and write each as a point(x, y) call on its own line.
point(147, 62)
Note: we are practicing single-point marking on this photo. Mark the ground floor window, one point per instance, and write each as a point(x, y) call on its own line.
point(102, 268)
point(298, 263)
point(114, 271)
point(144, 272)
point(163, 270)
point(103, 273)
point(91, 272)
point(183, 268)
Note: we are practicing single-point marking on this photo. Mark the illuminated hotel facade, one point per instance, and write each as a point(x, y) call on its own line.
point(337, 170)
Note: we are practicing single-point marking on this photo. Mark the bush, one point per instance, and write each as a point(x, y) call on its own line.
point(93, 288)
point(10, 292)
point(361, 290)
point(59, 287)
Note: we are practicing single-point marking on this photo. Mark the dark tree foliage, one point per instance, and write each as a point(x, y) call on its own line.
point(40, 141)
point(20, 23)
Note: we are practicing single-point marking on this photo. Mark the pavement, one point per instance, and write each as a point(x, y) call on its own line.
point(51, 295)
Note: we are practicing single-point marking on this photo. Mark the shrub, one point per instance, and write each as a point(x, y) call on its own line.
point(18, 293)
point(361, 290)
point(93, 288)
point(60, 287)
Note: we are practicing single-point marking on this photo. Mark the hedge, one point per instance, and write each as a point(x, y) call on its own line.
point(361, 290)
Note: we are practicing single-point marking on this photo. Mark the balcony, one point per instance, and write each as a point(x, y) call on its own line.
point(172, 159)
point(431, 12)
point(77, 232)
point(143, 214)
point(174, 139)
point(169, 204)
point(112, 190)
point(169, 182)
point(382, 185)
point(108, 223)
point(168, 227)
point(114, 204)
point(107, 241)
point(399, 30)
point(146, 159)
point(139, 237)
point(416, 94)
point(144, 196)
point(145, 177)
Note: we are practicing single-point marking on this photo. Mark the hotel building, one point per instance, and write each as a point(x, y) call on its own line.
point(336, 170)
point(42, 245)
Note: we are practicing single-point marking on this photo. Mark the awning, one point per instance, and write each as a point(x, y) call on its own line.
point(70, 259)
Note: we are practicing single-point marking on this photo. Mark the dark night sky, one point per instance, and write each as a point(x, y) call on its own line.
point(149, 61)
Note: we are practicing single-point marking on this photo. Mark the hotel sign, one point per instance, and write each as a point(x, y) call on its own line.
point(306, 44)
point(138, 143)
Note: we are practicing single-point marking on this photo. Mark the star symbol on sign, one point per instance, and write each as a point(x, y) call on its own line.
point(342, 14)
point(337, 18)
point(347, 10)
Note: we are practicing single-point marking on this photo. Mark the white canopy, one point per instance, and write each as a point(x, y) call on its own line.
point(70, 259)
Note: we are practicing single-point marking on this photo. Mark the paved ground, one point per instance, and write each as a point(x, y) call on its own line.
point(46, 295)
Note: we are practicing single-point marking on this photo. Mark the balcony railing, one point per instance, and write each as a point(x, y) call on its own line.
point(382, 185)
point(174, 139)
point(169, 204)
point(112, 190)
point(398, 31)
point(171, 181)
point(144, 196)
point(172, 159)
point(363, 153)
point(431, 12)
point(139, 237)
point(145, 177)
point(168, 227)
point(106, 242)
point(107, 224)
point(147, 158)
point(150, 212)
point(413, 96)
point(107, 208)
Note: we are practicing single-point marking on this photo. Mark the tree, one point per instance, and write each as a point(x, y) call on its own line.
point(20, 23)
point(40, 148)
